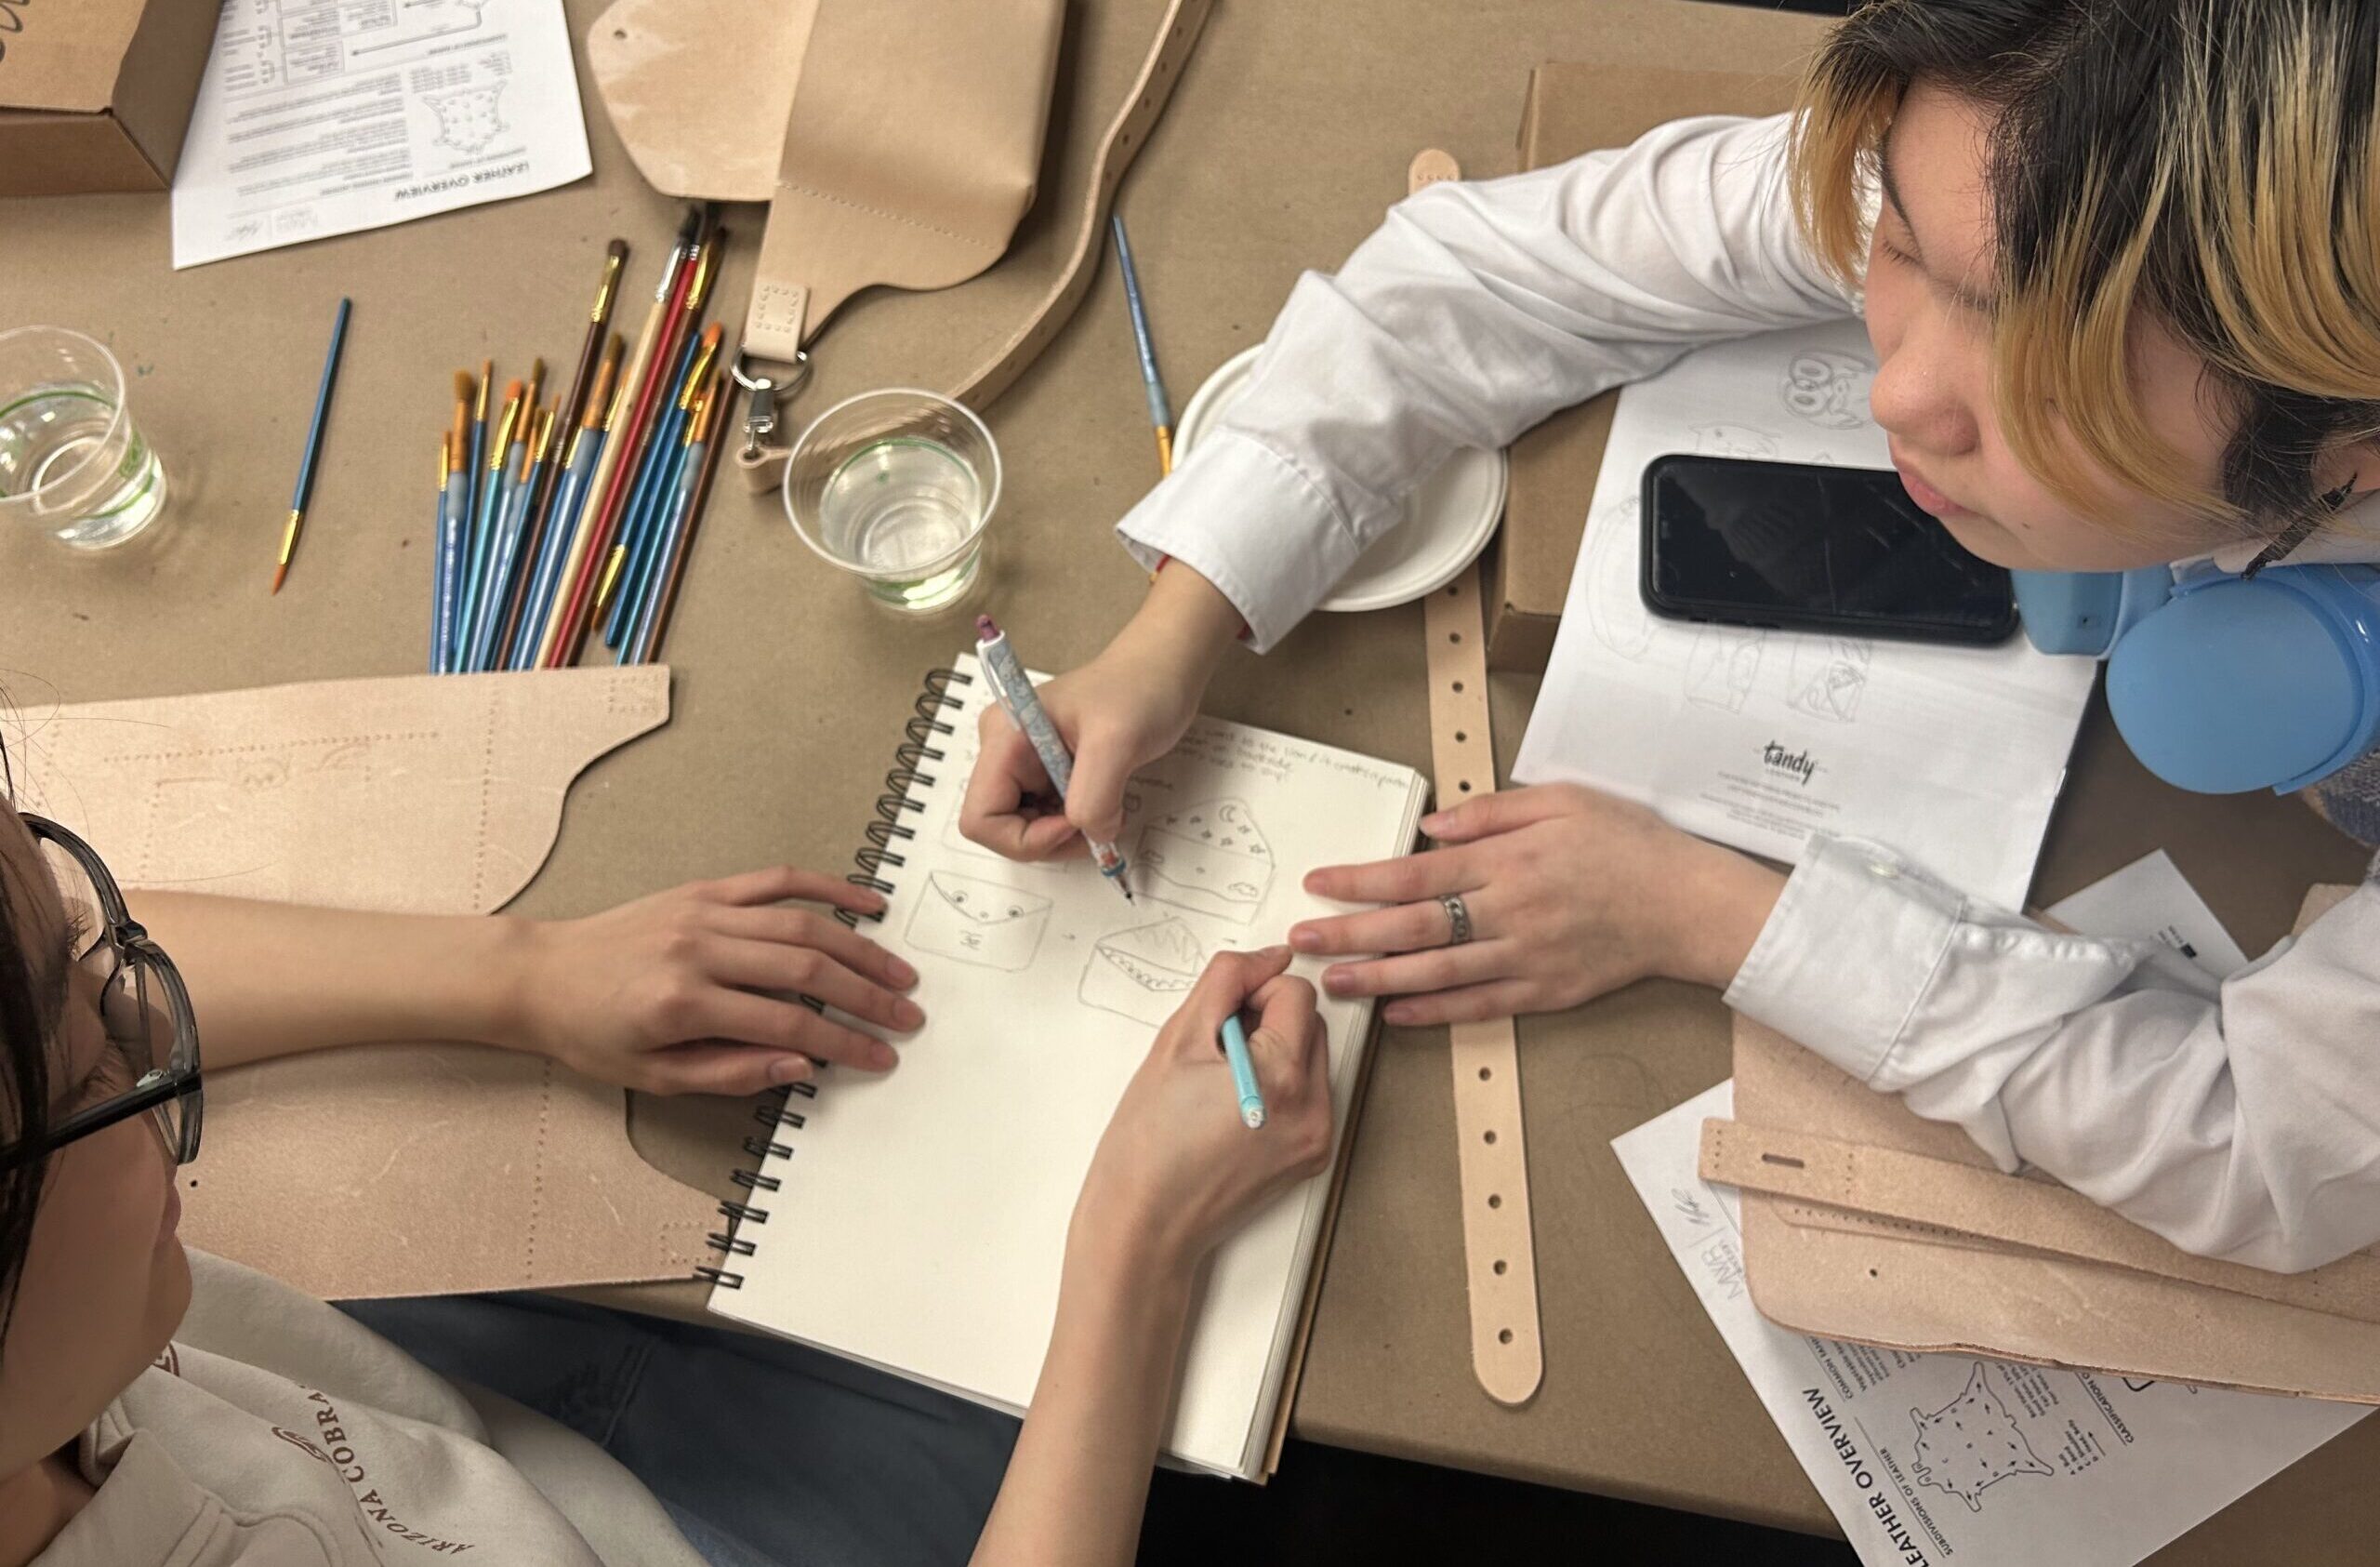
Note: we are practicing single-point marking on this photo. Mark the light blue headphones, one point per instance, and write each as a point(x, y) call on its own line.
point(2222, 684)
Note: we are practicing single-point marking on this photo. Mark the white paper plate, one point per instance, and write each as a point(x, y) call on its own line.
point(1448, 521)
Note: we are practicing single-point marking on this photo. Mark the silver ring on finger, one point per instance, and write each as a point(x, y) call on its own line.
point(1457, 919)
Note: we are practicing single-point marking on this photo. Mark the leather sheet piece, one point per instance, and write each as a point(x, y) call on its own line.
point(1913, 1270)
point(397, 1169)
point(699, 90)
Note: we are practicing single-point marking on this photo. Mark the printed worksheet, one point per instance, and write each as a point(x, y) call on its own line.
point(1950, 755)
point(1956, 1458)
point(1940, 1458)
point(321, 117)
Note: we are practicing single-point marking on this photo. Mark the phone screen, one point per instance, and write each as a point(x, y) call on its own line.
point(1805, 546)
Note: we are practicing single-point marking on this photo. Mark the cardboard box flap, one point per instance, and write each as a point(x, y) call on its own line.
point(1753, 66)
point(51, 60)
point(1933, 1279)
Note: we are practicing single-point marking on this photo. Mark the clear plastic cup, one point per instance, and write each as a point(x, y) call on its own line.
point(896, 488)
point(71, 462)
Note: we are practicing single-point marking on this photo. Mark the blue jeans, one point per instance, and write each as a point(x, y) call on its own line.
point(767, 1454)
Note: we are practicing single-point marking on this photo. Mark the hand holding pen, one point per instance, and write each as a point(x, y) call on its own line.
point(1014, 688)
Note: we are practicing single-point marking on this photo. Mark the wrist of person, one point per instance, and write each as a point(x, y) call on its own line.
point(500, 979)
point(1184, 618)
point(1113, 1242)
point(1721, 900)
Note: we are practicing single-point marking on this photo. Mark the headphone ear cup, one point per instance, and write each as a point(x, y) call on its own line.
point(2244, 684)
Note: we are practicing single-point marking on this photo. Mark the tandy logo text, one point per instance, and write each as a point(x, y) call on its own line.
point(1796, 764)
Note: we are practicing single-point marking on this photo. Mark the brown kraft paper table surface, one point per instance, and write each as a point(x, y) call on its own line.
point(790, 691)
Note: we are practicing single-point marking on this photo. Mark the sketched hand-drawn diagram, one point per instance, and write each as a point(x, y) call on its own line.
point(1143, 972)
point(980, 923)
point(1211, 857)
point(1828, 389)
point(1970, 1444)
point(1615, 609)
point(1733, 440)
point(1829, 676)
point(1722, 665)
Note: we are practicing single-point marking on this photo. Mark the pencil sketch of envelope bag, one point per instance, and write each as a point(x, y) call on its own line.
point(979, 921)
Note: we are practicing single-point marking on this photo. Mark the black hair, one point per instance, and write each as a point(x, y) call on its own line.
point(2208, 161)
point(24, 1077)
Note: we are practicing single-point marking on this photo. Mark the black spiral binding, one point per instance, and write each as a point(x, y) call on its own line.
point(776, 1113)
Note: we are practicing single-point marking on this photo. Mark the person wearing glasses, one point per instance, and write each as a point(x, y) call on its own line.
point(161, 1406)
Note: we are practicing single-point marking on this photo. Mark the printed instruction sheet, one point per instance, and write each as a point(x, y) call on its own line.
point(320, 117)
point(1957, 1458)
point(1950, 755)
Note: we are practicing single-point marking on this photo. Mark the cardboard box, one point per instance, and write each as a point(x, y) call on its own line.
point(1752, 66)
point(95, 95)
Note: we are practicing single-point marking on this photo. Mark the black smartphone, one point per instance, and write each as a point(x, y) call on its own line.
point(1807, 548)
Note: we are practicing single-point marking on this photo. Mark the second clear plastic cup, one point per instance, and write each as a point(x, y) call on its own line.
point(896, 487)
point(71, 462)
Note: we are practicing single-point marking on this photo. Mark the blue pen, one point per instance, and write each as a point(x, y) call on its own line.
point(1014, 688)
point(1243, 1072)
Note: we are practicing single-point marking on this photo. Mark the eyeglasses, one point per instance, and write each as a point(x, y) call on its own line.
point(143, 1004)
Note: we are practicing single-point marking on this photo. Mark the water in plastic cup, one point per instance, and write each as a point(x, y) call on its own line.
point(71, 462)
point(896, 487)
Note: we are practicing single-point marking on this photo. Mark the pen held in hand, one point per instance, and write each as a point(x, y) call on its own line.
point(1243, 1073)
point(1014, 688)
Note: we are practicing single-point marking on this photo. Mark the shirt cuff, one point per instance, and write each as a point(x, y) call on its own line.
point(1854, 943)
point(1242, 516)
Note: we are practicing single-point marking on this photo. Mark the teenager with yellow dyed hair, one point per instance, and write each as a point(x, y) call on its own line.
point(2119, 262)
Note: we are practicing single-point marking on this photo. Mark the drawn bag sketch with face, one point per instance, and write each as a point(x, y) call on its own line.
point(978, 922)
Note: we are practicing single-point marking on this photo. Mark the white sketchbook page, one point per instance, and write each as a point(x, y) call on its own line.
point(1976, 1461)
point(315, 120)
point(1951, 755)
point(922, 1215)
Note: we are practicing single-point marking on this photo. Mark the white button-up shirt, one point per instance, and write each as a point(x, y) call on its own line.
point(2240, 1121)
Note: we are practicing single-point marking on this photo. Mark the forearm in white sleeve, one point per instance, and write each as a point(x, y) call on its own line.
point(1475, 311)
point(2239, 1122)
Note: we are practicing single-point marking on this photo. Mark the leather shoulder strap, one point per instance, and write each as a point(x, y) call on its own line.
point(1499, 1246)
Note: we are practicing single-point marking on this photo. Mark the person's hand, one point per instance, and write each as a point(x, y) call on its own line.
point(1177, 1169)
point(1122, 710)
point(690, 990)
point(1570, 892)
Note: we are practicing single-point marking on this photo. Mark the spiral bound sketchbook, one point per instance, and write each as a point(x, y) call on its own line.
point(916, 1221)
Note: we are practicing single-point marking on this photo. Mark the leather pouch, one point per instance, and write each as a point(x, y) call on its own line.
point(904, 146)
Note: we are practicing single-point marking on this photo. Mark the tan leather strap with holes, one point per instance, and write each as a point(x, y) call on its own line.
point(1894, 1191)
point(780, 304)
point(1499, 1251)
